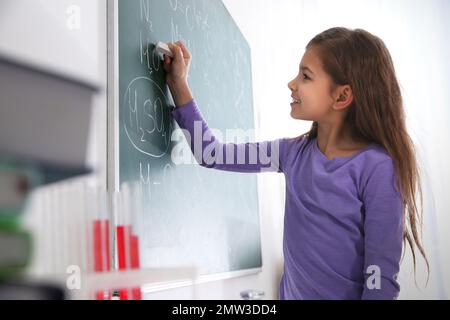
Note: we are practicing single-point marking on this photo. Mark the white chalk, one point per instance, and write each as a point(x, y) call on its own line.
point(163, 48)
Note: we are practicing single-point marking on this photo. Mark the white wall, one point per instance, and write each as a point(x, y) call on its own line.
point(37, 31)
point(44, 34)
point(416, 35)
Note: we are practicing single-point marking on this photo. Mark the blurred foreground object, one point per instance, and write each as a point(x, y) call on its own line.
point(44, 131)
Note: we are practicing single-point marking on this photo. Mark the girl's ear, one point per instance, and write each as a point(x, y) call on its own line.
point(344, 97)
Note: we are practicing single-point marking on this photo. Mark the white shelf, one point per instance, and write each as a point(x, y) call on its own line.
point(91, 283)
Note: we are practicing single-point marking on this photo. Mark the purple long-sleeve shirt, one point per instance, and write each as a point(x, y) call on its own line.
point(343, 226)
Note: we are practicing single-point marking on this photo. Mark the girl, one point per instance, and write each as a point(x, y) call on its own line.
point(350, 181)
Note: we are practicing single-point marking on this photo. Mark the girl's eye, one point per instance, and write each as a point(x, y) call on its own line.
point(305, 76)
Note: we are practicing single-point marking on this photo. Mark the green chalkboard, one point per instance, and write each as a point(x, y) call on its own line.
point(191, 215)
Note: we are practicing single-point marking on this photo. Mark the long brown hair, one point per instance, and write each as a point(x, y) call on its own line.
point(361, 60)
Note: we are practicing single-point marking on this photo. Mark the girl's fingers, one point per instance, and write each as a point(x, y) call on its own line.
point(166, 62)
point(176, 50)
point(171, 47)
point(185, 51)
point(183, 48)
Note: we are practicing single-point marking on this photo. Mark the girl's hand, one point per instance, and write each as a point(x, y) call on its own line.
point(177, 68)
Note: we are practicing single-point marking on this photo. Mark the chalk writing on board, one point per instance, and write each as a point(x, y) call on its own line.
point(176, 34)
point(148, 55)
point(222, 233)
point(145, 13)
point(145, 179)
point(147, 125)
point(173, 4)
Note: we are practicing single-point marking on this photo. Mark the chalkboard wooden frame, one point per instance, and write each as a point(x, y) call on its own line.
point(113, 183)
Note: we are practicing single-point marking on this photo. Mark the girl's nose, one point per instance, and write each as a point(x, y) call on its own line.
point(291, 85)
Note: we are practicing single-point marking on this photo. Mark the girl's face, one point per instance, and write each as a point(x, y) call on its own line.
point(311, 90)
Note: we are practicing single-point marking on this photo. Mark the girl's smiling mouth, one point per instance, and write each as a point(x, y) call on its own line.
point(296, 101)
